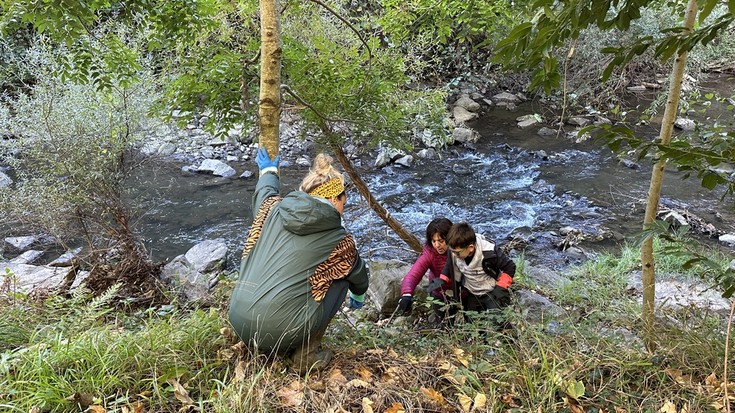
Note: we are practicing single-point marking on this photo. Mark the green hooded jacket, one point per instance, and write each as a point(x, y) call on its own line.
point(272, 306)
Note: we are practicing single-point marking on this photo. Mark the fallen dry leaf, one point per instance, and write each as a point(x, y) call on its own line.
point(573, 404)
point(509, 400)
point(180, 392)
point(620, 410)
point(433, 395)
point(317, 385)
point(446, 366)
point(450, 378)
point(712, 380)
point(465, 402)
point(480, 402)
point(336, 378)
point(668, 407)
point(396, 408)
point(227, 332)
point(292, 395)
point(358, 383)
point(718, 406)
point(365, 374)
point(678, 376)
point(459, 354)
point(336, 409)
point(367, 405)
point(391, 375)
point(137, 407)
point(240, 371)
point(96, 408)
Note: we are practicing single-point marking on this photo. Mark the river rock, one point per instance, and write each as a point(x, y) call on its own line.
point(30, 277)
point(405, 161)
point(578, 121)
point(208, 256)
point(17, 245)
point(544, 276)
point(629, 164)
point(5, 180)
point(216, 167)
point(66, 259)
point(462, 115)
point(685, 124)
point(166, 149)
point(303, 161)
point(28, 257)
point(509, 106)
point(385, 283)
point(465, 135)
point(601, 120)
point(679, 294)
point(428, 153)
point(195, 273)
point(727, 239)
point(506, 97)
point(467, 103)
point(546, 131)
point(386, 156)
point(526, 121)
point(537, 308)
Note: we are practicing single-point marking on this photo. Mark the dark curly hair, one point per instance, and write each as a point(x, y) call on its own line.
point(439, 226)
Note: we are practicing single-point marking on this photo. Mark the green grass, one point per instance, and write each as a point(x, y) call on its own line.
point(67, 354)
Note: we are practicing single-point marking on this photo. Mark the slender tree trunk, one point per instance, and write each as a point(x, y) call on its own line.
point(362, 187)
point(269, 110)
point(654, 191)
point(269, 103)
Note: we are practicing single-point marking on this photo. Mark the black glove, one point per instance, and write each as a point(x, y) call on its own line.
point(405, 303)
point(501, 296)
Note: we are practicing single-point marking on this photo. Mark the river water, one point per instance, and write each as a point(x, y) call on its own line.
point(501, 185)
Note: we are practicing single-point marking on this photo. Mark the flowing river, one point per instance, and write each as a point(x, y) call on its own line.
point(503, 185)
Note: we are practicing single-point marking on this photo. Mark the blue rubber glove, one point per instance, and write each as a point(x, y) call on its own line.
point(265, 164)
point(357, 301)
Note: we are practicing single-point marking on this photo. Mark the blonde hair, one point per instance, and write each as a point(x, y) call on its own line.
point(320, 173)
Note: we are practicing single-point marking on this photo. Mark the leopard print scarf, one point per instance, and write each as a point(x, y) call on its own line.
point(336, 267)
point(257, 227)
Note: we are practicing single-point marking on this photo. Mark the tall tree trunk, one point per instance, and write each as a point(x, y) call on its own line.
point(269, 103)
point(657, 177)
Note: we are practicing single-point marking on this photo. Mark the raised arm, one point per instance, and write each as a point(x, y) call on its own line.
point(268, 184)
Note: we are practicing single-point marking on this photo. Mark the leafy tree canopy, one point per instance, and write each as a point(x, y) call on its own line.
point(208, 50)
point(530, 45)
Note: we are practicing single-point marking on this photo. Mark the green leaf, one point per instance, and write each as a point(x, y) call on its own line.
point(709, 5)
point(574, 389)
point(710, 180)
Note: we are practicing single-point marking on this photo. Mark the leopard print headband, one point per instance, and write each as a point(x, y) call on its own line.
point(330, 189)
